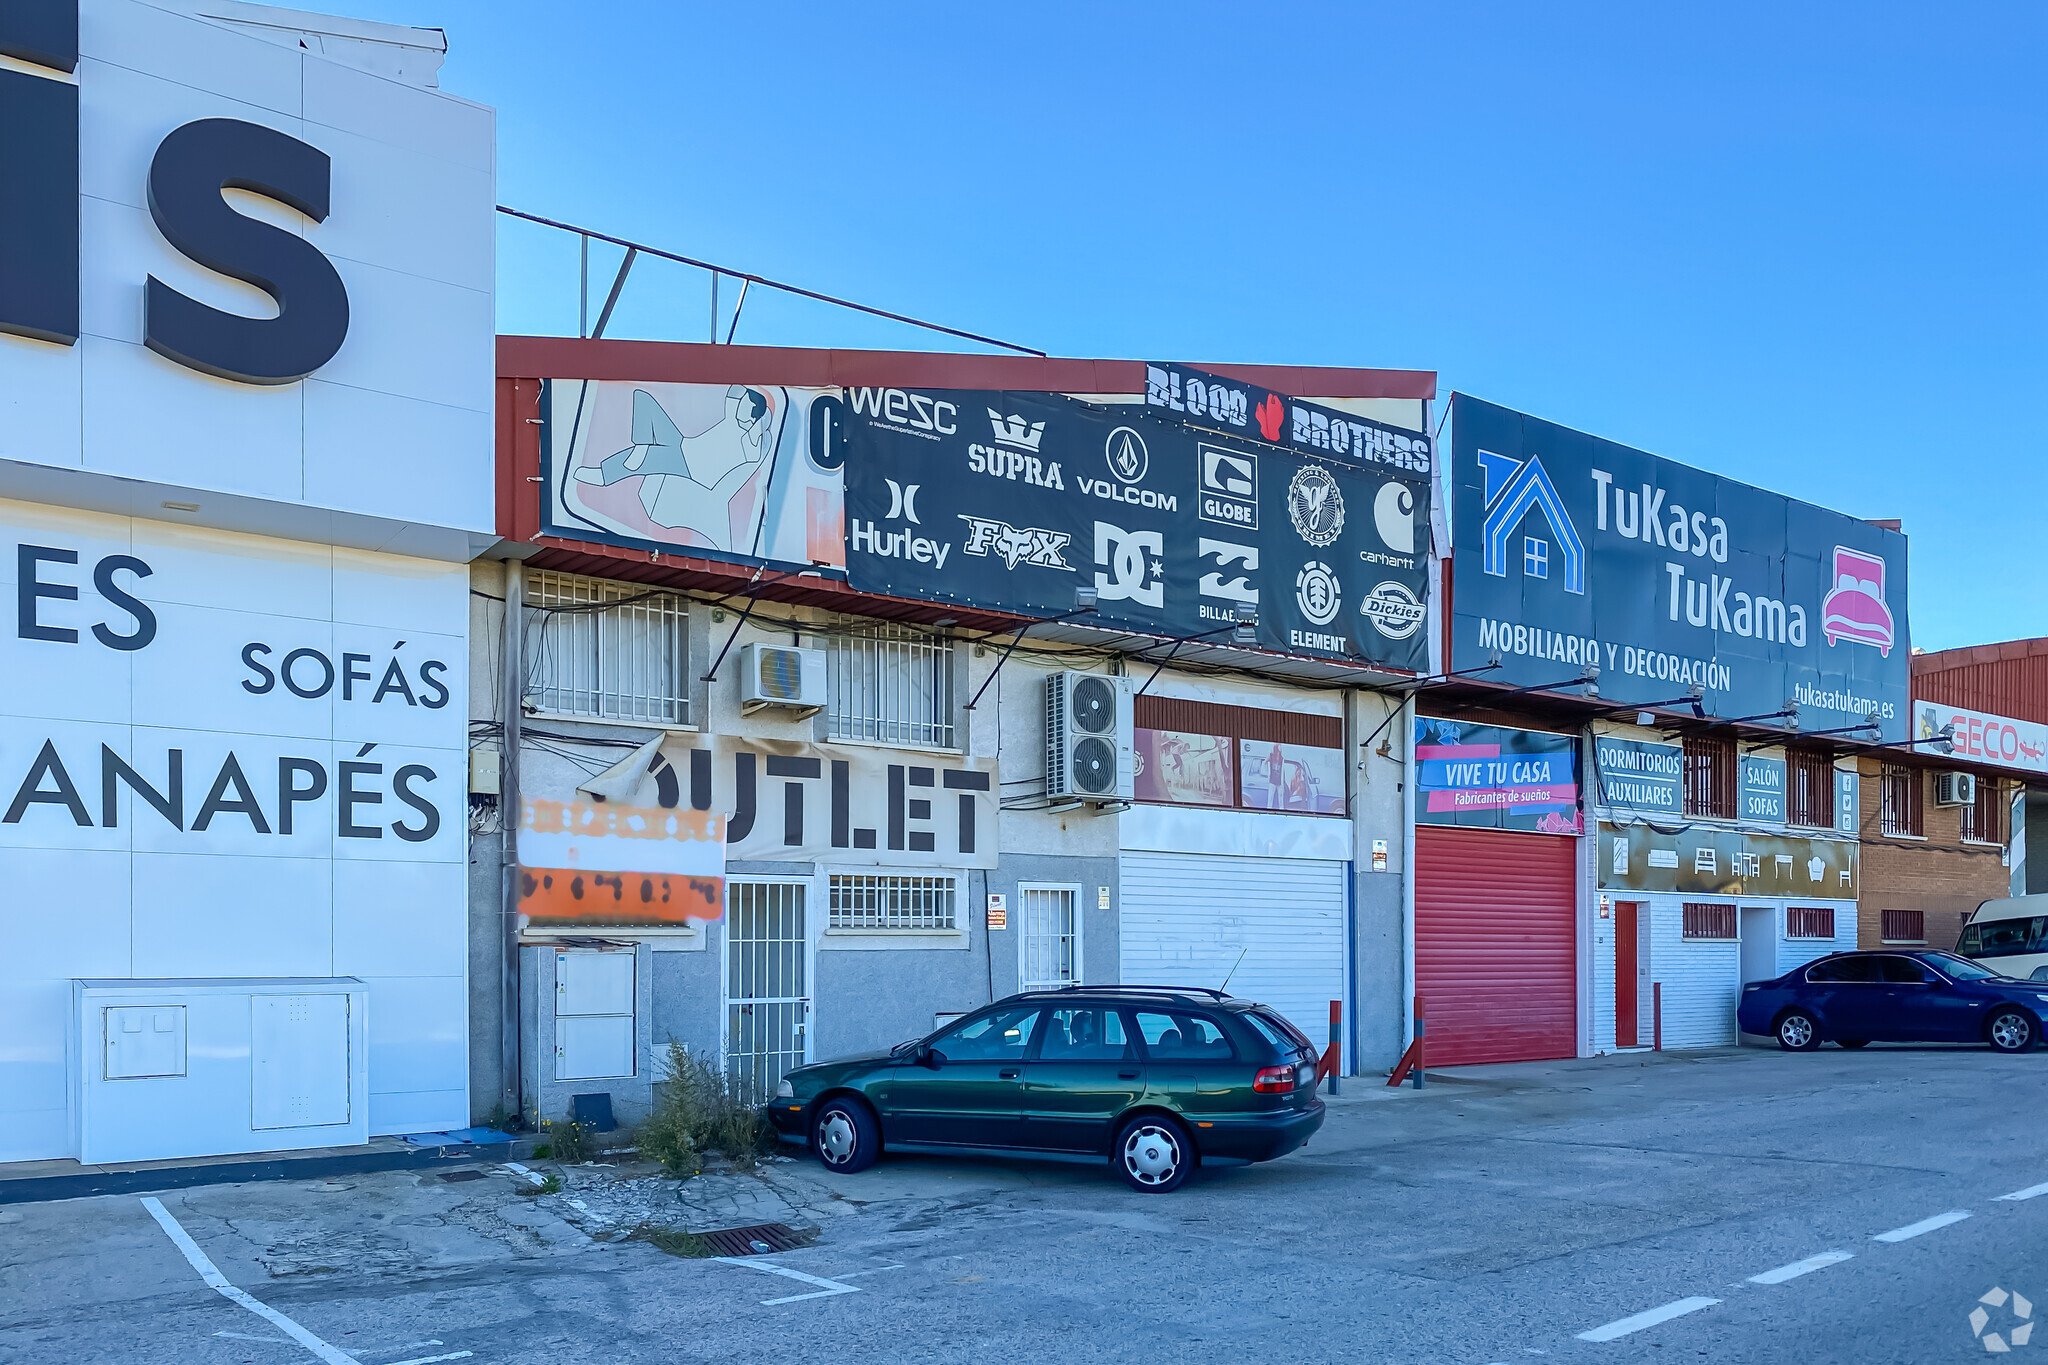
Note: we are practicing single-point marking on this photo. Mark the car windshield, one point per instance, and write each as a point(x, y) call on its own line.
point(1961, 968)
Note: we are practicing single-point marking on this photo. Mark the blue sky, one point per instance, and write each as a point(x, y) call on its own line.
point(1798, 244)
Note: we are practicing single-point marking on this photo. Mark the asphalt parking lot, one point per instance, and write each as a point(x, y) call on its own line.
point(1726, 1206)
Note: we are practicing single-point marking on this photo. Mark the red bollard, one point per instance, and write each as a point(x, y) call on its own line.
point(1656, 1016)
point(1333, 1056)
point(1411, 1060)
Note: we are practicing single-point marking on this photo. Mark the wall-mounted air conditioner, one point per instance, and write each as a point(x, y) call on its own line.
point(1088, 738)
point(781, 675)
point(1955, 789)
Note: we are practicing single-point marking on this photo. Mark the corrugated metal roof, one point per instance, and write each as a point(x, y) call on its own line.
point(2006, 679)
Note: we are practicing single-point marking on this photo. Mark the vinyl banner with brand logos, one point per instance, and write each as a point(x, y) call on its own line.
point(1574, 551)
point(1010, 501)
point(1236, 408)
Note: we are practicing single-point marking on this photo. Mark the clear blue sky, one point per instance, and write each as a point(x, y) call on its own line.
point(1798, 244)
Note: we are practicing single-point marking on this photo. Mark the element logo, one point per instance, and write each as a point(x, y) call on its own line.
point(1394, 610)
point(2017, 1334)
point(1315, 505)
point(1317, 593)
point(1126, 453)
point(1016, 544)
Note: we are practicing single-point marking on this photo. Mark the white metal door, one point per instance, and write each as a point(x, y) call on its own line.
point(593, 1014)
point(1273, 927)
point(767, 984)
point(1048, 937)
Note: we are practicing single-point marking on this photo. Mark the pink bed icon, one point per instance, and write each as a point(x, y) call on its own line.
point(1854, 608)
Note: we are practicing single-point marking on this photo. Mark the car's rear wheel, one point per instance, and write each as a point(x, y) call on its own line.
point(1154, 1153)
point(845, 1135)
point(2011, 1030)
point(1852, 1043)
point(1798, 1031)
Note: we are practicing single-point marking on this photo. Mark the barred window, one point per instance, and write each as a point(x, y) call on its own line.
point(1903, 926)
point(1810, 788)
point(889, 683)
point(865, 901)
point(1900, 800)
point(612, 651)
point(1985, 819)
point(1704, 921)
point(1710, 776)
point(1806, 921)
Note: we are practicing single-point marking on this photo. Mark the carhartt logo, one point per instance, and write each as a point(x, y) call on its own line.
point(2012, 1326)
point(1015, 431)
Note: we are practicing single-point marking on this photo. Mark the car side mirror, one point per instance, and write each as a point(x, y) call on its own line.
point(931, 1057)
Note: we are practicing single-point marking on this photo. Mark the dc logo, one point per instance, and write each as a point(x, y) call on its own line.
point(1126, 453)
point(2016, 1322)
point(1135, 569)
point(1317, 593)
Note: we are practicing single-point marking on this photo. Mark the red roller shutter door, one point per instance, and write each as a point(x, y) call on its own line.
point(1496, 934)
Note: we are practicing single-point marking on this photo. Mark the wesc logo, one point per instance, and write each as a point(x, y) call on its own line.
point(39, 270)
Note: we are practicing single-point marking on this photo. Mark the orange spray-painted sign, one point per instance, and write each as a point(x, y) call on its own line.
point(586, 863)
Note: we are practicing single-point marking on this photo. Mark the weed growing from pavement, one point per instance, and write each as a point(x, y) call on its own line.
point(568, 1140)
point(696, 1111)
point(674, 1241)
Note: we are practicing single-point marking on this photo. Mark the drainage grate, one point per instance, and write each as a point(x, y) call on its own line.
point(753, 1241)
point(456, 1177)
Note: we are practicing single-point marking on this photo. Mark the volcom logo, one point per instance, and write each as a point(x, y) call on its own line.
point(1016, 544)
point(1136, 572)
point(1234, 589)
point(1315, 505)
point(903, 501)
point(1126, 453)
point(1015, 431)
point(1317, 593)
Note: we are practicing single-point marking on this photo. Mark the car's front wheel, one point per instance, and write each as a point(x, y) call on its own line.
point(1798, 1031)
point(845, 1135)
point(1154, 1154)
point(2011, 1030)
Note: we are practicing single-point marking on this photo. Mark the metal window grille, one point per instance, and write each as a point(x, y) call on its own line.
point(767, 1004)
point(1810, 788)
point(865, 901)
point(1903, 926)
point(891, 684)
point(1807, 921)
point(1045, 917)
point(607, 650)
point(1984, 819)
point(1710, 776)
point(1900, 805)
point(1706, 921)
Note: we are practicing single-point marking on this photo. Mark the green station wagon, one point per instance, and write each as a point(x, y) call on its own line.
point(1153, 1077)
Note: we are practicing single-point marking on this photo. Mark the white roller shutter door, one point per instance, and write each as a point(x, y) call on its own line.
point(1186, 919)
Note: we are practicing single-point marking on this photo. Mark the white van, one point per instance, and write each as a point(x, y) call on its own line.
point(2010, 936)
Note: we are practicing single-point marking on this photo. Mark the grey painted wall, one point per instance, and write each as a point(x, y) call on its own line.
point(1378, 967)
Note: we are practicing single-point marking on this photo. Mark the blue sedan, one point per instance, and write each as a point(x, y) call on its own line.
point(1908, 997)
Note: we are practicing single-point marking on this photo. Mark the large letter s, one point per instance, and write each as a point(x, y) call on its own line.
point(192, 166)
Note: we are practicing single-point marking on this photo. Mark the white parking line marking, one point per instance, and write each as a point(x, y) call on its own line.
point(1798, 1268)
point(387, 1350)
point(871, 1270)
point(1676, 1309)
point(429, 1360)
point(828, 1287)
point(219, 1284)
point(2030, 1192)
point(1940, 1220)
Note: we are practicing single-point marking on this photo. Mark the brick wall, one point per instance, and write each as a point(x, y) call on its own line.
point(1939, 874)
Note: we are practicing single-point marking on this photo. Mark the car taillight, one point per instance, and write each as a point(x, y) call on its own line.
point(1274, 1080)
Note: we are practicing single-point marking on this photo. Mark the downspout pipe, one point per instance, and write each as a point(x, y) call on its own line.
point(511, 706)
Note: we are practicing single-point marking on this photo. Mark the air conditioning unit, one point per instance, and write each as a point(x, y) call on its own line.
point(1955, 789)
point(781, 675)
point(1088, 738)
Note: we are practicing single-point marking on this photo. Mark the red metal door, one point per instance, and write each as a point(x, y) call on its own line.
point(1496, 944)
point(1626, 1010)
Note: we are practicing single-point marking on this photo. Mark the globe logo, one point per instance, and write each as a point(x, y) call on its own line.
point(2012, 1327)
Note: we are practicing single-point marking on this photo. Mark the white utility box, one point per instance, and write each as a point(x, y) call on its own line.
point(170, 1068)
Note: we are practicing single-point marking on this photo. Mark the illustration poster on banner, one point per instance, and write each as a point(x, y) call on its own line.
point(1493, 777)
point(1186, 769)
point(726, 471)
point(1291, 777)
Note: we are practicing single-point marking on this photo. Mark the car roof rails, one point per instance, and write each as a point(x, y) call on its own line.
point(1150, 990)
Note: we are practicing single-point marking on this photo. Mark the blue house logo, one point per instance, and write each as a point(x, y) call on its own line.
point(1512, 488)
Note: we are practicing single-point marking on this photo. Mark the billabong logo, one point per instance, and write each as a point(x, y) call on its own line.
point(1315, 505)
point(1015, 431)
point(903, 501)
point(1126, 453)
point(1236, 588)
point(1135, 569)
point(1317, 593)
point(1513, 487)
point(1394, 610)
point(1016, 544)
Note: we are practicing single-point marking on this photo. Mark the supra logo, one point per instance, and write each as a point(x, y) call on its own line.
point(903, 501)
point(1236, 588)
point(1135, 571)
point(1015, 431)
point(1315, 505)
point(1317, 593)
point(1394, 610)
point(1126, 453)
point(1229, 486)
point(1016, 544)
point(2017, 1333)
